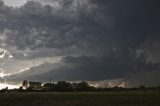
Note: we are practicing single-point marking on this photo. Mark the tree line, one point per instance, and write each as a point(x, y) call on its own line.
point(60, 86)
point(63, 86)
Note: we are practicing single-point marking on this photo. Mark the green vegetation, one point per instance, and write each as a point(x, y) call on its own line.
point(81, 99)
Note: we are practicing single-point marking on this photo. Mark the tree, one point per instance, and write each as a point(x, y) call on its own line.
point(35, 86)
point(21, 88)
point(83, 86)
point(25, 84)
point(49, 86)
point(63, 86)
point(143, 88)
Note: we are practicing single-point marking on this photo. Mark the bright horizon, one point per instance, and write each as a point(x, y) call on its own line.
point(10, 86)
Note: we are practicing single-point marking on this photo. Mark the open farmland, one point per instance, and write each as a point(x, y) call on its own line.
point(81, 99)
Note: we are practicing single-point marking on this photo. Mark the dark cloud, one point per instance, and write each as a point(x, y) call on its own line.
point(35, 25)
point(90, 68)
point(77, 23)
point(105, 38)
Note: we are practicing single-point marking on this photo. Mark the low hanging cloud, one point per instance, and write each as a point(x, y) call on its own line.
point(95, 39)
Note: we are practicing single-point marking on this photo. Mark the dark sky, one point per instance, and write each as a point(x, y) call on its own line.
point(81, 40)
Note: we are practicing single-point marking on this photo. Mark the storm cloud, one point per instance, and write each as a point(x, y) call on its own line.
point(95, 39)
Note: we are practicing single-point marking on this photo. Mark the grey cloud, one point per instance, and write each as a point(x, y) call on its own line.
point(90, 68)
point(108, 34)
point(35, 25)
point(40, 25)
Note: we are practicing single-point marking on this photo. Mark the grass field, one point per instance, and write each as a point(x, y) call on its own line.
point(81, 99)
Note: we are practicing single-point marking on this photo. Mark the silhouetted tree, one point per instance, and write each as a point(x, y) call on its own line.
point(6, 89)
point(143, 88)
point(21, 88)
point(49, 86)
point(35, 86)
point(63, 86)
point(25, 84)
point(83, 86)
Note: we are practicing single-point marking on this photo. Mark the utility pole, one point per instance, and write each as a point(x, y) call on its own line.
point(125, 83)
point(50, 80)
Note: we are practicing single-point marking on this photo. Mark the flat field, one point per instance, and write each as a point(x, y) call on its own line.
point(81, 99)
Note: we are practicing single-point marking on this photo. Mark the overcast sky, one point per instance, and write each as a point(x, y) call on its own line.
point(80, 40)
point(15, 3)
